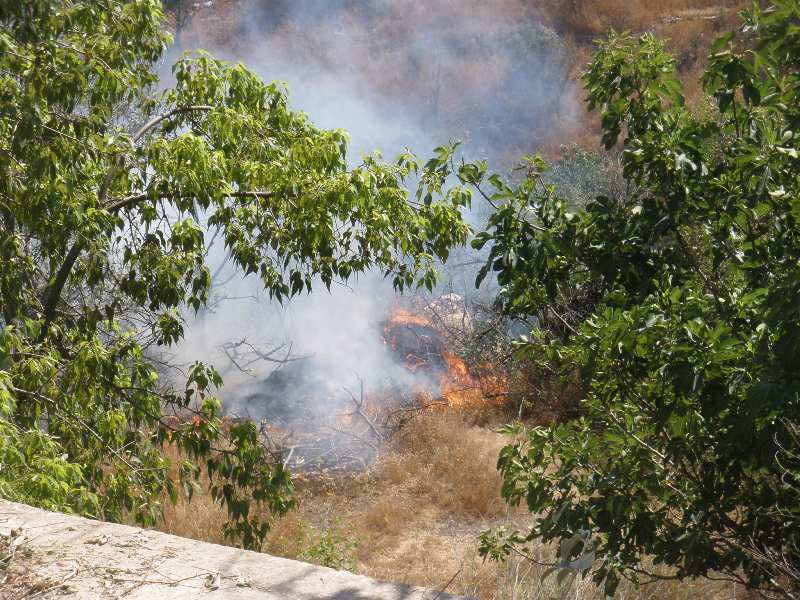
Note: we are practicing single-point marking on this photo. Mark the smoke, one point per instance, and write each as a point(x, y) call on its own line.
point(326, 344)
point(395, 74)
point(404, 73)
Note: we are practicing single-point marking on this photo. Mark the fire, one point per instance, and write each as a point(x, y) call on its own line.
point(423, 347)
point(404, 317)
point(458, 385)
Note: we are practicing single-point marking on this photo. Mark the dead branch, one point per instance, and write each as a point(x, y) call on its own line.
point(359, 404)
point(243, 360)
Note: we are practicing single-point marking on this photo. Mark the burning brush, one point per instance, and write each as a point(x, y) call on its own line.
point(318, 419)
point(422, 348)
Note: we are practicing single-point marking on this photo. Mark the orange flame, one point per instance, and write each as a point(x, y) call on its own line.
point(404, 317)
point(458, 386)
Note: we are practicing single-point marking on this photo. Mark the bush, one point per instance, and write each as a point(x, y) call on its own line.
point(685, 449)
point(331, 546)
point(580, 176)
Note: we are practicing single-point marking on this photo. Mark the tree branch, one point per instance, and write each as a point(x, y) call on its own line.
point(121, 203)
point(56, 287)
point(157, 120)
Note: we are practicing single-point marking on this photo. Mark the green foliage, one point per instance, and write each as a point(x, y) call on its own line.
point(579, 176)
point(687, 332)
point(331, 546)
point(104, 184)
point(33, 468)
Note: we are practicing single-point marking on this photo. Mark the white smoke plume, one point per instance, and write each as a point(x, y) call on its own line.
point(395, 74)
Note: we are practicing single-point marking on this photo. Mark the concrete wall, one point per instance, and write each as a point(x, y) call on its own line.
point(59, 556)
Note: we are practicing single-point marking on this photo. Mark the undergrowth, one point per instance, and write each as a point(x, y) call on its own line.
point(415, 516)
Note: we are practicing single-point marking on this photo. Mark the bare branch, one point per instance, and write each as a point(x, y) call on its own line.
point(157, 120)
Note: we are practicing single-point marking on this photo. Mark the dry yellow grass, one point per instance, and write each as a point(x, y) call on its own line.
point(201, 519)
point(451, 464)
point(415, 517)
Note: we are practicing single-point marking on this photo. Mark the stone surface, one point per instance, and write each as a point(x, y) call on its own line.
point(61, 556)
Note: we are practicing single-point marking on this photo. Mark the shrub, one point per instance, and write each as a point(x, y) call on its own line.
point(684, 450)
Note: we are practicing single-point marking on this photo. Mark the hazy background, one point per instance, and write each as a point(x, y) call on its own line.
point(394, 74)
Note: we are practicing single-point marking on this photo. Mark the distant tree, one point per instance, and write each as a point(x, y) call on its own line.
point(181, 11)
point(685, 453)
point(104, 182)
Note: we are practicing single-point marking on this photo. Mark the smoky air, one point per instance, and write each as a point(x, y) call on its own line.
point(394, 74)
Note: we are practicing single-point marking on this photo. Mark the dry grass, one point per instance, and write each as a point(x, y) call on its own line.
point(415, 517)
point(387, 518)
point(201, 519)
point(442, 458)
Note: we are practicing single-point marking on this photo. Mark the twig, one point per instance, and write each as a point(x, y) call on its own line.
point(53, 587)
point(447, 585)
point(289, 456)
point(360, 411)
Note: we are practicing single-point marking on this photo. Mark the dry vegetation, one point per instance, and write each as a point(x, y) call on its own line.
point(592, 18)
point(415, 516)
point(688, 26)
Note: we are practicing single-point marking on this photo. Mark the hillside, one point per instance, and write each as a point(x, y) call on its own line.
point(507, 75)
point(502, 75)
point(366, 284)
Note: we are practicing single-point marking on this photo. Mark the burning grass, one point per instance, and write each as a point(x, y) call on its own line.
point(414, 511)
point(422, 347)
point(414, 514)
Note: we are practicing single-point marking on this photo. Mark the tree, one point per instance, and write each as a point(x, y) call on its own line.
point(685, 452)
point(104, 181)
point(181, 11)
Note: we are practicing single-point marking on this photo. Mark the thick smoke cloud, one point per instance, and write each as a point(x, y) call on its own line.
point(398, 73)
point(395, 74)
point(335, 339)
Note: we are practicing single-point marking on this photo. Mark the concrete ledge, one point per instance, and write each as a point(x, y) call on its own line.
point(92, 560)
